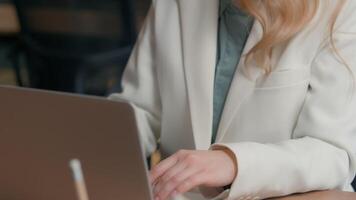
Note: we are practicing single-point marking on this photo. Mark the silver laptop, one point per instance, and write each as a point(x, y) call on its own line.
point(56, 146)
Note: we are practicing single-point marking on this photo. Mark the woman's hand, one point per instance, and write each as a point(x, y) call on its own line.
point(188, 169)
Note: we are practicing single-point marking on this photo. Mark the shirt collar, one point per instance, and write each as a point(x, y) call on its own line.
point(233, 10)
point(224, 4)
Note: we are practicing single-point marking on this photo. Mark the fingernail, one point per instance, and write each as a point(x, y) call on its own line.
point(156, 189)
point(174, 194)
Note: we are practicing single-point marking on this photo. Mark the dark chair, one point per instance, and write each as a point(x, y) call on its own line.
point(354, 183)
point(75, 45)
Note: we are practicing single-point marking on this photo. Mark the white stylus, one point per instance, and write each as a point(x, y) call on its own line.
point(79, 179)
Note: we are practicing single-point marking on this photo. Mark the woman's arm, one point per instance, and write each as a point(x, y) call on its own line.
point(140, 86)
point(322, 153)
point(320, 195)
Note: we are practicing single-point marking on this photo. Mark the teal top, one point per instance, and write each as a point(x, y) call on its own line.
point(234, 28)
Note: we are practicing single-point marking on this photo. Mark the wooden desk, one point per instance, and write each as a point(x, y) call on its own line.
point(323, 195)
point(8, 19)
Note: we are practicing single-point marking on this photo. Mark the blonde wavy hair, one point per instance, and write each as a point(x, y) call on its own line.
point(281, 20)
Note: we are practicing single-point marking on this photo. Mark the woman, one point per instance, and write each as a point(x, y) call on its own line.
point(269, 83)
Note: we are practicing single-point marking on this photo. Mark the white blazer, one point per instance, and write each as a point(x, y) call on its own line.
point(293, 131)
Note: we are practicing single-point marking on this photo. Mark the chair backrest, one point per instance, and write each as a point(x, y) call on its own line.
point(78, 26)
point(72, 33)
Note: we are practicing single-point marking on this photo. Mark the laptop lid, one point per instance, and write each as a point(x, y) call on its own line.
point(42, 133)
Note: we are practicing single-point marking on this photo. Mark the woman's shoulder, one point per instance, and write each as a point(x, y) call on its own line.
point(340, 13)
point(193, 12)
point(343, 10)
point(346, 21)
point(196, 6)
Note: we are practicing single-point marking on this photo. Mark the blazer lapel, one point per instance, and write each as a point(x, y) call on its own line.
point(199, 25)
point(242, 86)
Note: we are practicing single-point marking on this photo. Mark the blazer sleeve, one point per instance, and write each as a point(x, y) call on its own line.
point(140, 86)
point(322, 153)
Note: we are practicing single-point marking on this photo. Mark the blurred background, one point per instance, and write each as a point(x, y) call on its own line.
point(78, 46)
